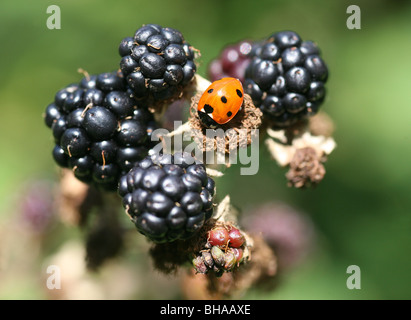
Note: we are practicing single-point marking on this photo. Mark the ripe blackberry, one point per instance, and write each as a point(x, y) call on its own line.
point(99, 130)
point(286, 78)
point(233, 61)
point(168, 197)
point(157, 62)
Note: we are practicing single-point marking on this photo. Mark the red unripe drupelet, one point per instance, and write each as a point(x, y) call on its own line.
point(218, 237)
point(236, 238)
point(238, 253)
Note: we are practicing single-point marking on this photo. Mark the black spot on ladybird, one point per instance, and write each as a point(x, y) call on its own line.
point(208, 108)
point(229, 114)
point(210, 90)
point(224, 99)
point(239, 93)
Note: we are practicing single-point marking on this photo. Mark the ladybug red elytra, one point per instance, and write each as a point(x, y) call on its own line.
point(220, 102)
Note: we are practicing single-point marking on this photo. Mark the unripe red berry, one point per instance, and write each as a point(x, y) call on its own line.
point(208, 259)
point(236, 238)
point(218, 256)
point(238, 252)
point(218, 237)
point(199, 265)
point(230, 260)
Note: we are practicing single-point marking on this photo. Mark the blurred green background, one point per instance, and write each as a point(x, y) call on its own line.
point(361, 210)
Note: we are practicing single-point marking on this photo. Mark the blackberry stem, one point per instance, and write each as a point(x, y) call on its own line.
point(84, 73)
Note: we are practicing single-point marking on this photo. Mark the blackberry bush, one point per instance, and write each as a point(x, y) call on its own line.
point(157, 62)
point(99, 130)
point(168, 197)
point(286, 78)
point(102, 129)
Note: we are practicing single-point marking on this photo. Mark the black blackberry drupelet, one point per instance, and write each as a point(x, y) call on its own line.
point(99, 130)
point(157, 62)
point(168, 197)
point(286, 78)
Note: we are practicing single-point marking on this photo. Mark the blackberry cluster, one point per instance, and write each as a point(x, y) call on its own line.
point(99, 131)
point(286, 78)
point(232, 62)
point(157, 62)
point(168, 197)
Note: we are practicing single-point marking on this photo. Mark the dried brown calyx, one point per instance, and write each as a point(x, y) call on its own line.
point(306, 168)
point(303, 149)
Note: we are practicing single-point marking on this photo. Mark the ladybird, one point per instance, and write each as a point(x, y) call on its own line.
point(220, 102)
